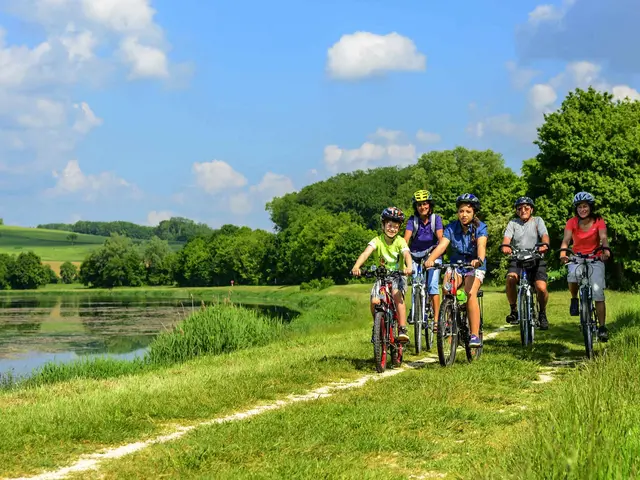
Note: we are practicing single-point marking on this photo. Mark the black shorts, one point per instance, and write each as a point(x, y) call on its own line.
point(539, 272)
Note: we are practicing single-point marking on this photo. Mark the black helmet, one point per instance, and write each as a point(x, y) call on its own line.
point(469, 198)
point(525, 201)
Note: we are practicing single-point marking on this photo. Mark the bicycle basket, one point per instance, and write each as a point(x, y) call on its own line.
point(526, 260)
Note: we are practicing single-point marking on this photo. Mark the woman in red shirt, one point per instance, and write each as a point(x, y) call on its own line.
point(588, 232)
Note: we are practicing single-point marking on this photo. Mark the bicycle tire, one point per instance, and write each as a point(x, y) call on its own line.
point(428, 326)
point(379, 342)
point(416, 311)
point(525, 320)
point(447, 339)
point(585, 318)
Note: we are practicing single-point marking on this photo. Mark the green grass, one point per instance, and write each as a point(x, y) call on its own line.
point(51, 245)
point(462, 422)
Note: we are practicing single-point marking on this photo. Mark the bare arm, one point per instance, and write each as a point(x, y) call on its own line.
point(408, 262)
point(482, 252)
point(568, 234)
point(506, 250)
point(407, 235)
point(604, 241)
point(361, 259)
point(547, 240)
point(439, 250)
point(439, 234)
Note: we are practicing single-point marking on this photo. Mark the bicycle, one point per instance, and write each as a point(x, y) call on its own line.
point(588, 317)
point(385, 321)
point(527, 301)
point(453, 324)
point(422, 314)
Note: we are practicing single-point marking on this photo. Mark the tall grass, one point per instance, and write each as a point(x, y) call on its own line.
point(592, 429)
point(214, 330)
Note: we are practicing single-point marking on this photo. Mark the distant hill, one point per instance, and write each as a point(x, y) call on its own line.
point(53, 246)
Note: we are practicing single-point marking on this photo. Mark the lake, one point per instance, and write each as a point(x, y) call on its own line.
point(37, 329)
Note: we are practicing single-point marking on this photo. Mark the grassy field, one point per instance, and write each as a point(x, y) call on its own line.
point(52, 246)
point(491, 419)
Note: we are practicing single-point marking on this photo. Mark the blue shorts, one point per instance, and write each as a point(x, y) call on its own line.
point(433, 279)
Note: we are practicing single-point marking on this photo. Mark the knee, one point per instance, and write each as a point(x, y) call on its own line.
point(512, 279)
point(541, 287)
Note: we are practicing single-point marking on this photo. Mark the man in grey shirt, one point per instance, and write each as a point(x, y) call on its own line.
point(523, 233)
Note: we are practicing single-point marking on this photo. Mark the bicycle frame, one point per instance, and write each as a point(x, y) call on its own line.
point(419, 297)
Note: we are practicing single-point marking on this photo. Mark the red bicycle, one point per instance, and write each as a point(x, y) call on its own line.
point(385, 320)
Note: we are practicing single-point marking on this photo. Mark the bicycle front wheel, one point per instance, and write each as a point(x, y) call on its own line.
point(428, 326)
point(447, 339)
point(585, 317)
point(416, 311)
point(379, 342)
point(526, 318)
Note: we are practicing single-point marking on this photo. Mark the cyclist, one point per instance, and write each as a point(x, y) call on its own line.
point(468, 239)
point(424, 230)
point(588, 232)
point(392, 251)
point(523, 232)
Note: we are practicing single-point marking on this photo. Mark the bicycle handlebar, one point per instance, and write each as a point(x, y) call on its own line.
point(535, 249)
point(585, 256)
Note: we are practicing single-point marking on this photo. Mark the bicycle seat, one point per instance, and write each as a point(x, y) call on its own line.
point(480, 293)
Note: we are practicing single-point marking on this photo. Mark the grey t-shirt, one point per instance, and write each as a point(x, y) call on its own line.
point(525, 235)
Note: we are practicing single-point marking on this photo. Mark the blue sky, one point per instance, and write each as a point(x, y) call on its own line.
point(142, 109)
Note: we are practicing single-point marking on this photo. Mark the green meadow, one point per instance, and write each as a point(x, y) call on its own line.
point(495, 418)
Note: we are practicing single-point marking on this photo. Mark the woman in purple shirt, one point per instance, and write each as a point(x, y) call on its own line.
point(424, 231)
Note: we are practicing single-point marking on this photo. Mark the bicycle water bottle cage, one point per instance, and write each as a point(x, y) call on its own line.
point(526, 260)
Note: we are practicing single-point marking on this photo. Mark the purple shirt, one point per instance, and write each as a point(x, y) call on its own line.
point(425, 238)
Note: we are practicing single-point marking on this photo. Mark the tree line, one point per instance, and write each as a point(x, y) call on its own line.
point(176, 229)
point(591, 143)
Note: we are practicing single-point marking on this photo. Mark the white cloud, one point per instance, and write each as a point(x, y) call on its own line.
point(428, 137)
point(542, 96)
point(545, 13)
point(273, 185)
point(620, 92)
point(154, 217)
point(79, 45)
point(145, 61)
point(120, 15)
point(87, 120)
point(520, 76)
point(240, 204)
point(364, 54)
point(388, 135)
point(73, 181)
point(368, 155)
point(216, 176)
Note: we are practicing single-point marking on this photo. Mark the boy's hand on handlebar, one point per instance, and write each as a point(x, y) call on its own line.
point(355, 271)
point(408, 270)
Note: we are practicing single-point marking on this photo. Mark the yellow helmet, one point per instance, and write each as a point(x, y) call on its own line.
point(422, 196)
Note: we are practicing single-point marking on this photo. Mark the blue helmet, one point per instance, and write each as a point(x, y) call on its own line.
point(583, 197)
point(525, 201)
point(470, 199)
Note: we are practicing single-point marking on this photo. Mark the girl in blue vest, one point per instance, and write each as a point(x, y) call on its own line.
point(424, 231)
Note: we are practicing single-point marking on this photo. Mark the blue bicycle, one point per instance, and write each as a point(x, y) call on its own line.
point(421, 316)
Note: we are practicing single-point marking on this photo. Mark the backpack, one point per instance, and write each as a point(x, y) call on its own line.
point(415, 225)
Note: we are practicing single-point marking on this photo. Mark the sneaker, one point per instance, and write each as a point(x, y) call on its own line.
point(512, 318)
point(574, 308)
point(475, 341)
point(403, 337)
point(542, 320)
point(603, 334)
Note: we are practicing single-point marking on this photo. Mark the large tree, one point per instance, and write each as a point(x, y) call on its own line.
point(592, 143)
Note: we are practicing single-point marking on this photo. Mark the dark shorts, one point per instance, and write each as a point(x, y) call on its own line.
point(539, 272)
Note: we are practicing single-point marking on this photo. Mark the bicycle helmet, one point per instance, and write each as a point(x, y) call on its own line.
point(525, 201)
point(392, 213)
point(422, 196)
point(583, 197)
point(468, 198)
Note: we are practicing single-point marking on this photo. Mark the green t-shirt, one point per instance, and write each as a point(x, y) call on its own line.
point(391, 256)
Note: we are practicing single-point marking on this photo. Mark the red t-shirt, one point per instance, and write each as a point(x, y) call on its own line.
point(585, 242)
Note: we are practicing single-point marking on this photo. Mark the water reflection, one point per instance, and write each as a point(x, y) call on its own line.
point(36, 330)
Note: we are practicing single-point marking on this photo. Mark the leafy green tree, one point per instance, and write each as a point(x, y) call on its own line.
point(592, 143)
point(68, 272)
point(72, 237)
point(157, 261)
point(7, 266)
point(194, 264)
point(49, 274)
point(117, 263)
point(28, 272)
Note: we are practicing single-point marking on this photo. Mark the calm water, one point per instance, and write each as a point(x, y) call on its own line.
point(36, 330)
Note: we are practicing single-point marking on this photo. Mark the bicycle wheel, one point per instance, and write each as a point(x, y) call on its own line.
point(447, 339)
point(379, 342)
point(585, 317)
point(428, 325)
point(474, 353)
point(525, 317)
point(416, 311)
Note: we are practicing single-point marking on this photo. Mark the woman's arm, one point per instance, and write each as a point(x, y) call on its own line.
point(439, 250)
point(482, 252)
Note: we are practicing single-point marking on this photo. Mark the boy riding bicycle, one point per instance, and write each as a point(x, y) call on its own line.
point(391, 251)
